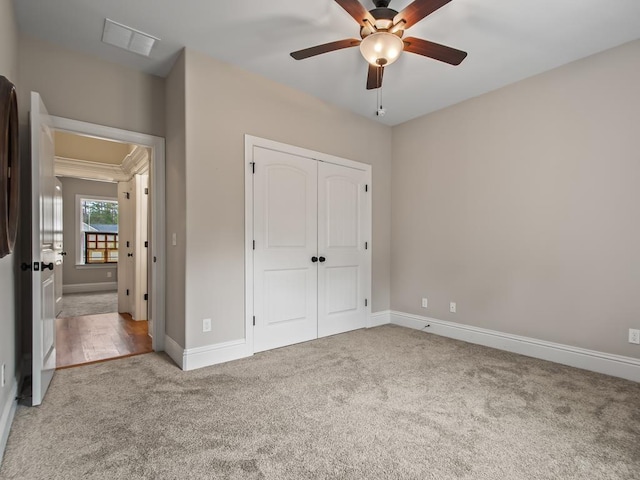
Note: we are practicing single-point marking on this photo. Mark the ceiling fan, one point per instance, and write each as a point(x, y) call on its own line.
point(381, 32)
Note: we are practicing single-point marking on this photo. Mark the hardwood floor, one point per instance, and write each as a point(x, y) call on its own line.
point(95, 338)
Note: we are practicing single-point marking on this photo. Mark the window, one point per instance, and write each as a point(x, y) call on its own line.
point(97, 232)
point(100, 247)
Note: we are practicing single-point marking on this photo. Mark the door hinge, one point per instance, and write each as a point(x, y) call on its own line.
point(366, 187)
point(366, 302)
point(253, 167)
point(146, 296)
point(146, 191)
point(146, 244)
point(127, 292)
point(366, 245)
point(254, 320)
point(254, 244)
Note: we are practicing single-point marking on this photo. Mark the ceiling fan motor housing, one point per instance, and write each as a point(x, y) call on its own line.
point(384, 21)
point(383, 13)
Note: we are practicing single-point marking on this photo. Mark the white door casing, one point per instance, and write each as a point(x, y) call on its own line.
point(126, 212)
point(285, 278)
point(150, 286)
point(140, 251)
point(341, 218)
point(157, 220)
point(43, 360)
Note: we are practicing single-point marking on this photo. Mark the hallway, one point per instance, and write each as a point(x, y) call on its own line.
point(93, 338)
point(89, 330)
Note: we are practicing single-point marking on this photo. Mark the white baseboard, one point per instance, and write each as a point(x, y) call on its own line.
point(609, 364)
point(8, 412)
point(175, 351)
point(213, 354)
point(379, 318)
point(192, 358)
point(90, 287)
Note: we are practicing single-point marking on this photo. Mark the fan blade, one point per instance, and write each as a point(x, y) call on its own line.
point(417, 10)
point(327, 47)
point(357, 11)
point(434, 50)
point(374, 77)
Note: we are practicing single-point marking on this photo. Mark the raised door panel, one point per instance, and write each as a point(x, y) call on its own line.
point(58, 246)
point(285, 231)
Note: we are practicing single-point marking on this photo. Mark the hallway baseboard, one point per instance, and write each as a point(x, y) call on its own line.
point(89, 287)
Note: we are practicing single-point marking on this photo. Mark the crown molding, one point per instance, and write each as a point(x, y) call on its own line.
point(134, 163)
point(71, 167)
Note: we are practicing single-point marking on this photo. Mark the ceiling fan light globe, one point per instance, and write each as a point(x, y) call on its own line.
point(381, 48)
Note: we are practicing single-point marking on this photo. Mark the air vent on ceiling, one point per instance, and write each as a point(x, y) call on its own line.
point(128, 38)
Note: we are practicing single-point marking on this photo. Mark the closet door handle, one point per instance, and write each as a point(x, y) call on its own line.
point(322, 259)
point(314, 259)
point(45, 266)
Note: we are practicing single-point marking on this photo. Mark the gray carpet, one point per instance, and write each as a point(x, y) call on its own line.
point(384, 403)
point(94, 303)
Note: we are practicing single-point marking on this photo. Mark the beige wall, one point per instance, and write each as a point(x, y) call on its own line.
point(8, 335)
point(71, 274)
point(222, 104)
point(522, 206)
point(81, 87)
point(176, 201)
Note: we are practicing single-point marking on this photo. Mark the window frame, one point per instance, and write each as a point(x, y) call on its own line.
point(79, 233)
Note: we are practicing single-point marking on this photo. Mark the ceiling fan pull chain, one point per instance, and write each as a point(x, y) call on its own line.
point(380, 111)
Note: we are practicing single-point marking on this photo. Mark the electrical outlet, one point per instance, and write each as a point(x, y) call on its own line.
point(452, 307)
point(634, 335)
point(2, 379)
point(425, 303)
point(206, 325)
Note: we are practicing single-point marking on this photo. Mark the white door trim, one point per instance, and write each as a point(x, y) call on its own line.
point(250, 142)
point(157, 184)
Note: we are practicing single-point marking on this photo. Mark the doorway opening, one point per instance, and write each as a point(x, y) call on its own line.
point(109, 187)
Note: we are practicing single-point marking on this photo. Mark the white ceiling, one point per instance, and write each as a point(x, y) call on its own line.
point(507, 40)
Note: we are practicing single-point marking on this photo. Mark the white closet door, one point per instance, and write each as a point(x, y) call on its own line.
point(343, 276)
point(285, 233)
